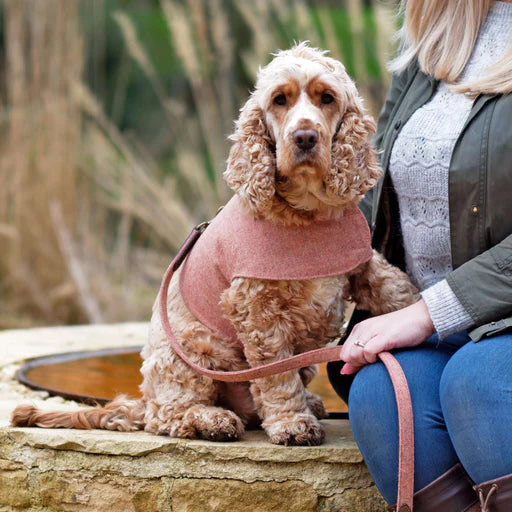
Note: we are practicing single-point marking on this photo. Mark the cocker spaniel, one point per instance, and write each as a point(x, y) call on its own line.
point(301, 160)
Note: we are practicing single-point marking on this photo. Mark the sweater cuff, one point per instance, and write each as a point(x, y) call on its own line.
point(447, 313)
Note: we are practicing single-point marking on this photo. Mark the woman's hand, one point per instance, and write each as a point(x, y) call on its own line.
point(406, 327)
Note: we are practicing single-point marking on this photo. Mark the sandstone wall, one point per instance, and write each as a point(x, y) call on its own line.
point(66, 470)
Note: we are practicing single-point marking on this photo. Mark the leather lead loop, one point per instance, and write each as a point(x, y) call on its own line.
point(405, 432)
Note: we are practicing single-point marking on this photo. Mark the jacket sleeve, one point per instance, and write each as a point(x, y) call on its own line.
point(483, 284)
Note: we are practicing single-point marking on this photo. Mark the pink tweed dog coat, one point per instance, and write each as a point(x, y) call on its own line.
point(235, 244)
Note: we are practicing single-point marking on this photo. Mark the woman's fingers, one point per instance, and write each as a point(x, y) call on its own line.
point(353, 350)
point(374, 347)
point(359, 353)
point(355, 342)
point(349, 369)
point(353, 353)
point(357, 356)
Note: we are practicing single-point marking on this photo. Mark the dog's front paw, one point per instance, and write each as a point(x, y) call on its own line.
point(316, 406)
point(299, 429)
point(215, 423)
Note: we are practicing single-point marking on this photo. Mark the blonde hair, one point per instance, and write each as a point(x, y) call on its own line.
point(441, 35)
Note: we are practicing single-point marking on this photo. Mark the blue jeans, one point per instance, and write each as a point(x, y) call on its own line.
point(462, 400)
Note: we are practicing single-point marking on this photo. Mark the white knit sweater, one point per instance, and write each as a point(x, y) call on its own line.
point(419, 165)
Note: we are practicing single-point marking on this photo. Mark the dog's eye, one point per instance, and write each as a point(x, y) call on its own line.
point(327, 98)
point(280, 100)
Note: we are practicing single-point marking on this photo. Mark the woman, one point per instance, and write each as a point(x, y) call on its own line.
point(443, 212)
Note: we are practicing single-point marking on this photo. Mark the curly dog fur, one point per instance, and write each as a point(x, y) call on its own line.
point(301, 89)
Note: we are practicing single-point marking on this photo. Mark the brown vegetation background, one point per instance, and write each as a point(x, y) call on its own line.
point(113, 134)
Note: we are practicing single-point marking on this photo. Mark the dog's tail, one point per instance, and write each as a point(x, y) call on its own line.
point(120, 414)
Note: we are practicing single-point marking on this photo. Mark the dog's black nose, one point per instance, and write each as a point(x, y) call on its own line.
point(305, 139)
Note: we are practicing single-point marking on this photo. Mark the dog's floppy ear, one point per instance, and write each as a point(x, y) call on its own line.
point(354, 166)
point(251, 163)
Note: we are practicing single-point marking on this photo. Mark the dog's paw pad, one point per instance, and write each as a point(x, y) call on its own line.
point(219, 425)
point(301, 430)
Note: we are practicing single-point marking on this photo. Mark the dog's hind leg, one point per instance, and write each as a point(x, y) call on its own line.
point(314, 402)
point(180, 403)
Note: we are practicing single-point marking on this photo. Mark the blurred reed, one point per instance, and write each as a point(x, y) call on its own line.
point(89, 215)
point(41, 128)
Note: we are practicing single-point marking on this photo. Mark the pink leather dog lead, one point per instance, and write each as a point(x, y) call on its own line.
point(405, 432)
point(322, 355)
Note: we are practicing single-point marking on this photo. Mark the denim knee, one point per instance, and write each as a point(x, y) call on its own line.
point(476, 400)
point(374, 418)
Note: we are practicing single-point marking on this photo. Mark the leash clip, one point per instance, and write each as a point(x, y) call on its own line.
point(202, 226)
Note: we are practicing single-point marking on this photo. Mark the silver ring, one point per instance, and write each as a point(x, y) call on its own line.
point(359, 343)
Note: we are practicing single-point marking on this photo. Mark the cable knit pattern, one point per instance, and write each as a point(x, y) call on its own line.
point(419, 165)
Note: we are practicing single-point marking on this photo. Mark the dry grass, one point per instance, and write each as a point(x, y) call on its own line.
point(40, 145)
point(88, 219)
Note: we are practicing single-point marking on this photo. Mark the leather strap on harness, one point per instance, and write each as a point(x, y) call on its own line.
point(321, 355)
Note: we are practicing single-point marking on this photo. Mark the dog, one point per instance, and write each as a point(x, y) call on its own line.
point(300, 162)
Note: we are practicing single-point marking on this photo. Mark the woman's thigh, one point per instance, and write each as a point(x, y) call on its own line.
point(476, 399)
point(373, 416)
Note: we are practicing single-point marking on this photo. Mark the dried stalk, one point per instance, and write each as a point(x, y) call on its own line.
point(74, 265)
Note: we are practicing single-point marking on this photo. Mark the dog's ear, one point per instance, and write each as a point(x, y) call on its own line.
point(354, 165)
point(251, 164)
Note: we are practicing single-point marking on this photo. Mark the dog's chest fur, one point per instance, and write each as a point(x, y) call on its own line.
point(306, 313)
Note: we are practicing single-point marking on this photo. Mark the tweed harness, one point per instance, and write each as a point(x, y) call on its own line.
point(236, 244)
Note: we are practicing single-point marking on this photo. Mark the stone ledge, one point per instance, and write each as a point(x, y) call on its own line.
point(69, 470)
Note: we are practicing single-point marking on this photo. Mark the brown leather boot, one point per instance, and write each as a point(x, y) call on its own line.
point(496, 495)
point(451, 492)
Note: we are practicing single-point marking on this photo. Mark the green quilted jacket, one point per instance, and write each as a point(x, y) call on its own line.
point(480, 199)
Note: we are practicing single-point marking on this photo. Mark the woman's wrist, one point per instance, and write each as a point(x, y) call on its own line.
point(423, 318)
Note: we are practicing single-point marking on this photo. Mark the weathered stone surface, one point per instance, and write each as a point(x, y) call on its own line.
point(339, 446)
point(177, 459)
point(192, 495)
point(13, 484)
point(365, 499)
point(74, 491)
point(46, 470)
point(64, 473)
